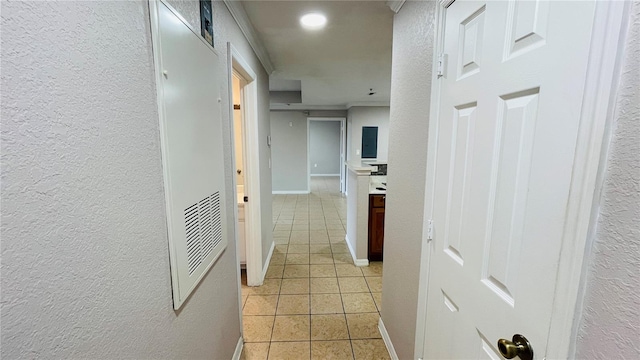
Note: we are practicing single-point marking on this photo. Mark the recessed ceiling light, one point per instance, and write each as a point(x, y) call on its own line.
point(313, 21)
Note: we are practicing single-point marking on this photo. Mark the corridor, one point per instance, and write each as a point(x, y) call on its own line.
point(314, 303)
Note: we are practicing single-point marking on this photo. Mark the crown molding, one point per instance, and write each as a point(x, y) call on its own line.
point(299, 107)
point(395, 5)
point(242, 19)
point(302, 107)
point(368, 103)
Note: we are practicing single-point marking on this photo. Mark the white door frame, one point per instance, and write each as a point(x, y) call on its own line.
point(602, 77)
point(343, 148)
point(249, 108)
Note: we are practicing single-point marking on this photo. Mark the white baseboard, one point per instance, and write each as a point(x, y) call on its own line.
point(387, 340)
point(238, 352)
point(312, 175)
point(356, 261)
point(295, 192)
point(265, 266)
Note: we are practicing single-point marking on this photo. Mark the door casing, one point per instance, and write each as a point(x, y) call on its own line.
point(253, 220)
point(609, 29)
point(343, 149)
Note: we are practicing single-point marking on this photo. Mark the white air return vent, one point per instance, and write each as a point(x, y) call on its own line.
point(188, 88)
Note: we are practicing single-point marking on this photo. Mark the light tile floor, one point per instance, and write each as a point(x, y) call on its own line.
point(314, 303)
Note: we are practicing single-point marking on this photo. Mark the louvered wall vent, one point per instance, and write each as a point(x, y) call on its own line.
point(203, 227)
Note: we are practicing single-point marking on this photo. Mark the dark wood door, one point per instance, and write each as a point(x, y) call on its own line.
point(376, 227)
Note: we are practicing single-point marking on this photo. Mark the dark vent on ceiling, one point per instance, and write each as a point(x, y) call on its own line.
point(203, 227)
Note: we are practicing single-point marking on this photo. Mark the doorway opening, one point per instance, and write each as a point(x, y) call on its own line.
point(244, 95)
point(326, 146)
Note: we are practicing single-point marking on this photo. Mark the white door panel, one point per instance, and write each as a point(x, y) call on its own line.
point(507, 129)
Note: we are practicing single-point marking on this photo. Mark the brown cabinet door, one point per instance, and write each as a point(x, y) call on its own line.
point(376, 228)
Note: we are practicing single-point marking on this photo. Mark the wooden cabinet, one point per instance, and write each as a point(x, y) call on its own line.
point(376, 226)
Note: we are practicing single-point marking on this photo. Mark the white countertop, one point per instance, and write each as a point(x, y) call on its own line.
point(376, 181)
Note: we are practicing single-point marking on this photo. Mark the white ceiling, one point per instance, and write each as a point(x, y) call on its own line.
point(337, 65)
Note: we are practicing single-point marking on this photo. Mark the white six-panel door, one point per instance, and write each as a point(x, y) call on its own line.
point(509, 112)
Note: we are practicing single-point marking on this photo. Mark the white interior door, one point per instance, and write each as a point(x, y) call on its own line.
point(506, 137)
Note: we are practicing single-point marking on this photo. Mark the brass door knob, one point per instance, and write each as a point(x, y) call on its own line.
point(518, 346)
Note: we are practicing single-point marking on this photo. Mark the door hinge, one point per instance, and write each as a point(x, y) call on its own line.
point(430, 230)
point(442, 65)
point(245, 199)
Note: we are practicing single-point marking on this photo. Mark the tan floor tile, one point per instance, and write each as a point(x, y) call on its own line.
point(377, 298)
point(372, 349)
point(375, 283)
point(293, 305)
point(358, 303)
point(296, 271)
point(300, 234)
point(332, 220)
point(298, 249)
point(300, 227)
point(317, 227)
point(326, 304)
point(280, 249)
point(260, 305)
point(343, 259)
point(299, 242)
point(339, 248)
point(374, 269)
point(278, 259)
point(320, 249)
point(283, 227)
point(281, 241)
point(348, 270)
point(289, 350)
point(352, 285)
point(318, 235)
point(268, 287)
point(298, 259)
point(324, 286)
point(319, 241)
point(255, 351)
point(336, 239)
point(321, 259)
point(257, 328)
point(291, 328)
point(274, 272)
point(244, 300)
point(322, 271)
point(328, 327)
point(281, 234)
point(331, 350)
point(363, 326)
point(295, 286)
point(335, 225)
point(335, 233)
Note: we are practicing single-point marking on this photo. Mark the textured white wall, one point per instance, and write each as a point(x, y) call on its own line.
point(413, 39)
point(289, 149)
point(85, 268)
point(359, 116)
point(324, 147)
point(610, 323)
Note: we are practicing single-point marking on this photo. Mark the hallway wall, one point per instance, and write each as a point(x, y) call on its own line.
point(359, 116)
point(611, 305)
point(85, 266)
point(289, 148)
point(413, 42)
point(324, 147)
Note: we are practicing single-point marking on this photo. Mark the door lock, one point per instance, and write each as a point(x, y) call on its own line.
point(518, 346)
